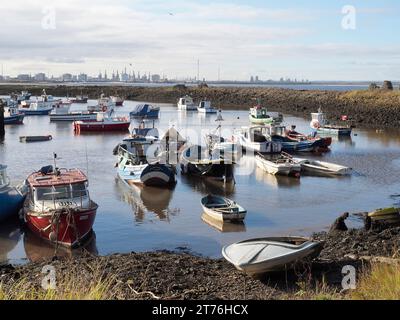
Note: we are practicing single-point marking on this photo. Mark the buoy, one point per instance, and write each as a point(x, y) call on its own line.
point(52, 236)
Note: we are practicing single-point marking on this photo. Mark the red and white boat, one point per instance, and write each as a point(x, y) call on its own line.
point(58, 207)
point(104, 122)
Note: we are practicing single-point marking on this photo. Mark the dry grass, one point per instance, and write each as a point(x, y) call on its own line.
point(73, 285)
point(374, 97)
point(381, 282)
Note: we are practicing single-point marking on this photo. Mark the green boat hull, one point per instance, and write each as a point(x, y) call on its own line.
point(261, 120)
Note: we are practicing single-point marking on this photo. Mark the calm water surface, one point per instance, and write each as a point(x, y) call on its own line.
point(152, 219)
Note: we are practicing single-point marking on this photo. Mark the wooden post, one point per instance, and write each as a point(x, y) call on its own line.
point(2, 130)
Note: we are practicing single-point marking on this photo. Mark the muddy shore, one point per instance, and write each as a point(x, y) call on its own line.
point(169, 275)
point(376, 108)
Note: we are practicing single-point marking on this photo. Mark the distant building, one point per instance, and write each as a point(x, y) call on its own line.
point(257, 80)
point(40, 77)
point(83, 77)
point(66, 77)
point(24, 77)
point(155, 78)
point(252, 79)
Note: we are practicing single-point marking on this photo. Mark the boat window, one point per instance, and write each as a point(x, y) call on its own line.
point(44, 194)
point(62, 192)
point(78, 190)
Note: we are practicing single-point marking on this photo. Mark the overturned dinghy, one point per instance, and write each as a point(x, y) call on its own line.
point(258, 256)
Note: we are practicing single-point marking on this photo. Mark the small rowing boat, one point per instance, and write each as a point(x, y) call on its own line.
point(223, 209)
point(282, 165)
point(27, 139)
point(260, 256)
point(322, 168)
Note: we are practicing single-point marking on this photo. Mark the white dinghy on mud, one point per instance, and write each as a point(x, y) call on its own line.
point(259, 256)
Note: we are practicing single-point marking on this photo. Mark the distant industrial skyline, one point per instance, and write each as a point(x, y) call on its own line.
point(211, 39)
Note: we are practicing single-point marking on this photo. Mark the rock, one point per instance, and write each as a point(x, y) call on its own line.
point(387, 85)
point(339, 224)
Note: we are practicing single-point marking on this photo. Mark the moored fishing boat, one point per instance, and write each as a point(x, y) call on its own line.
point(281, 165)
point(259, 115)
point(62, 113)
point(104, 122)
point(256, 139)
point(323, 168)
point(104, 104)
point(11, 199)
point(58, 207)
point(12, 115)
point(259, 256)
point(41, 107)
point(198, 162)
point(186, 103)
point(145, 111)
point(322, 126)
point(223, 209)
point(139, 163)
point(205, 107)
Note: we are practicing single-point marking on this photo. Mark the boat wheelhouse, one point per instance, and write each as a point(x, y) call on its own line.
point(117, 100)
point(259, 115)
point(186, 103)
point(58, 207)
point(256, 139)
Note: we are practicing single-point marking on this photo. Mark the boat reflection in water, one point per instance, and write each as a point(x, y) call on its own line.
point(224, 227)
point(10, 234)
point(38, 250)
point(209, 186)
point(276, 181)
point(144, 199)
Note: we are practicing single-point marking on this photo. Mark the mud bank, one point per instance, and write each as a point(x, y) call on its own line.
point(376, 108)
point(168, 275)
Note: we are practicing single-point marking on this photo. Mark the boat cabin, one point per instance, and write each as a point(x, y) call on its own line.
point(319, 117)
point(64, 188)
point(62, 108)
point(205, 105)
point(11, 111)
point(186, 100)
point(256, 133)
point(259, 112)
point(140, 150)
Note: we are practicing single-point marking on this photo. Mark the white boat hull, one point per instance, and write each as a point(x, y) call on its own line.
point(223, 217)
point(260, 256)
point(323, 168)
point(285, 169)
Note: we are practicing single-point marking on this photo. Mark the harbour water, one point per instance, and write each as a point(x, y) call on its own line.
point(153, 219)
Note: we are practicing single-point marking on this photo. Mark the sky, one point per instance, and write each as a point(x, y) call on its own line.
point(303, 39)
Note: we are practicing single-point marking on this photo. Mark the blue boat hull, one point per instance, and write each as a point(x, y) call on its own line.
point(18, 119)
point(36, 112)
point(147, 115)
point(10, 203)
